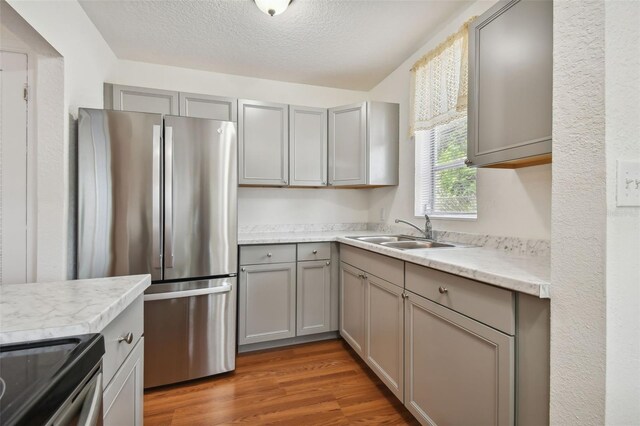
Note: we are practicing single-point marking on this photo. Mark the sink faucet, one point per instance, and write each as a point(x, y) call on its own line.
point(428, 233)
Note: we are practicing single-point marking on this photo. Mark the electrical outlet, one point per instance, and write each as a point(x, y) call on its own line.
point(628, 177)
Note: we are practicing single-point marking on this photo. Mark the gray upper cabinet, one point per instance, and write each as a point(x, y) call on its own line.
point(348, 145)
point(208, 106)
point(510, 85)
point(263, 143)
point(140, 99)
point(363, 144)
point(307, 146)
point(457, 370)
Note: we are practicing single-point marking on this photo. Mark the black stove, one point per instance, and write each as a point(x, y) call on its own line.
point(36, 378)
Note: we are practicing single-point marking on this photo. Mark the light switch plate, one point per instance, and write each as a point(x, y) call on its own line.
point(628, 193)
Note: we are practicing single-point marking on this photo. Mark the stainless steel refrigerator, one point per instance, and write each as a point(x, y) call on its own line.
point(158, 195)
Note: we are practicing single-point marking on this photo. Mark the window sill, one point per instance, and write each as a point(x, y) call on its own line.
point(466, 218)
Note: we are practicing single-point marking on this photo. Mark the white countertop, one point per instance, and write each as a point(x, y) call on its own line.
point(522, 273)
point(65, 308)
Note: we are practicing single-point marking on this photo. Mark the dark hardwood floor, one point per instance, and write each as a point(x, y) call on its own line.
point(312, 384)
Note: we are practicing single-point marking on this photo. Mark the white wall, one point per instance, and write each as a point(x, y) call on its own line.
point(578, 242)
point(258, 206)
point(622, 85)
point(510, 202)
point(87, 63)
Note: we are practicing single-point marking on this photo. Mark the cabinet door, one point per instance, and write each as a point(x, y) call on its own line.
point(207, 106)
point(510, 82)
point(314, 297)
point(348, 145)
point(263, 141)
point(123, 398)
point(458, 371)
point(307, 146)
point(352, 308)
point(385, 333)
point(267, 302)
point(141, 99)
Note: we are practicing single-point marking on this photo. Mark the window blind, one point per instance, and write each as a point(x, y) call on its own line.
point(444, 185)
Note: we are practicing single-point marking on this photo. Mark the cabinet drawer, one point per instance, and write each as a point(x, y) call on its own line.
point(256, 255)
point(492, 306)
point(131, 320)
point(314, 251)
point(384, 267)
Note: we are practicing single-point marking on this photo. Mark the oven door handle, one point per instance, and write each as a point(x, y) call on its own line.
point(91, 414)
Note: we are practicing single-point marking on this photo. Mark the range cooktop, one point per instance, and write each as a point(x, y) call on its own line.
point(37, 377)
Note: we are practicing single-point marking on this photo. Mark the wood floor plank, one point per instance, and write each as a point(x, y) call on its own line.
point(321, 383)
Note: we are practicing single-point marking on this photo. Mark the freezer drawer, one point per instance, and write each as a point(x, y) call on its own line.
point(190, 330)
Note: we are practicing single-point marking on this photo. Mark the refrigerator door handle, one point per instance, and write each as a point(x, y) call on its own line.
point(156, 240)
point(188, 293)
point(168, 196)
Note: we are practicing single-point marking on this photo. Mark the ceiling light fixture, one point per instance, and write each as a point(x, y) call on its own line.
point(273, 7)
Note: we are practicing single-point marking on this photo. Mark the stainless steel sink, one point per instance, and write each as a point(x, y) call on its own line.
point(384, 239)
point(412, 245)
point(402, 242)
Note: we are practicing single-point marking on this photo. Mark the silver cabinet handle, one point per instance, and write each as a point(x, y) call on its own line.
point(468, 162)
point(128, 338)
point(155, 209)
point(324, 182)
point(403, 295)
point(328, 263)
point(269, 254)
point(168, 196)
point(315, 252)
point(443, 290)
point(243, 269)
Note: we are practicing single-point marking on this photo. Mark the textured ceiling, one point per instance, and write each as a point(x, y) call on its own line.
point(351, 44)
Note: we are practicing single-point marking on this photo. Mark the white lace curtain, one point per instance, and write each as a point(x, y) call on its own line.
point(439, 83)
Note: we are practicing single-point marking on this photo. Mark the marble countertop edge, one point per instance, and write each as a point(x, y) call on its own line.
point(66, 321)
point(524, 274)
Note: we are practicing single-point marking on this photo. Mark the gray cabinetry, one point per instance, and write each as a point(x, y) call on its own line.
point(313, 297)
point(363, 144)
point(384, 327)
point(458, 371)
point(307, 146)
point(140, 99)
point(352, 307)
point(123, 367)
point(510, 84)
point(267, 302)
point(208, 106)
point(122, 399)
point(263, 143)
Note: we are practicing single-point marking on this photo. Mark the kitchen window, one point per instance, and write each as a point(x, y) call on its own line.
point(445, 186)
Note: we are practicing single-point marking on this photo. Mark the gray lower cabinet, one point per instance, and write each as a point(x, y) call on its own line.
point(267, 308)
point(313, 297)
point(352, 307)
point(510, 84)
point(363, 144)
point(457, 370)
point(307, 146)
point(384, 328)
point(208, 106)
point(122, 398)
point(140, 99)
point(263, 143)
